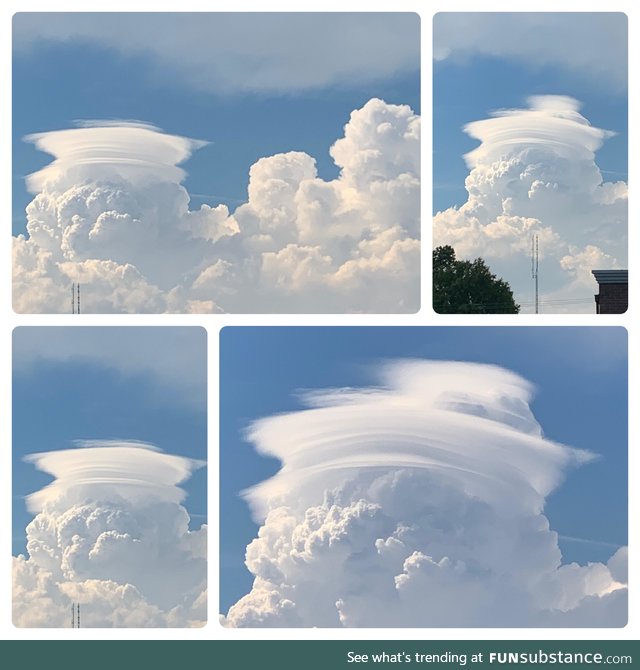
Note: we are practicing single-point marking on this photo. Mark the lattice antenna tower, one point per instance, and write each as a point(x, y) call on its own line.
point(534, 266)
point(75, 615)
point(75, 298)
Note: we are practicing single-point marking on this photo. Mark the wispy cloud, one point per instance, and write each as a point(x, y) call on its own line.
point(562, 40)
point(226, 53)
point(111, 213)
point(535, 173)
point(111, 534)
point(584, 540)
point(418, 502)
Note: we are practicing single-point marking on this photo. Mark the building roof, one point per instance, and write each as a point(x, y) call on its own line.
point(611, 276)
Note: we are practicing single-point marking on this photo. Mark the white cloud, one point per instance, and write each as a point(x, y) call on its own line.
point(552, 39)
point(534, 172)
point(128, 150)
point(117, 221)
point(418, 502)
point(111, 533)
point(242, 52)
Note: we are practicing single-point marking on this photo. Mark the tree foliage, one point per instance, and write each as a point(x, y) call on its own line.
point(468, 287)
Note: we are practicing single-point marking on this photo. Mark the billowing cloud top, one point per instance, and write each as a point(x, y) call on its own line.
point(110, 533)
point(551, 121)
point(469, 423)
point(418, 502)
point(112, 215)
point(103, 468)
point(107, 149)
point(534, 173)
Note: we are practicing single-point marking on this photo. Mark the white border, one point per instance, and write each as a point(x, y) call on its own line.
point(213, 324)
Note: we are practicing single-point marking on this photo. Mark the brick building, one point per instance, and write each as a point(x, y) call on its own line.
point(613, 294)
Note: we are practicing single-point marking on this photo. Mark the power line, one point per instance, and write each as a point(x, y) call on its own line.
point(505, 305)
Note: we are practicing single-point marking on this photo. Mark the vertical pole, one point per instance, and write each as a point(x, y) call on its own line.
point(78, 298)
point(534, 266)
point(78, 609)
point(536, 278)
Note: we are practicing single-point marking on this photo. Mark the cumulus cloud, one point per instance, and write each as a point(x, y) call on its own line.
point(110, 213)
point(418, 502)
point(534, 172)
point(241, 52)
point(111, 534)
point(553, 39)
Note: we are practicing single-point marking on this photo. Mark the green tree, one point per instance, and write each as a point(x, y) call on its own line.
point(468, 287)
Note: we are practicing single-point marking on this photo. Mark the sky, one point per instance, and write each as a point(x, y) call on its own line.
point(83, 392)
point(246, 87)
point(579, 398)
point(485, 63)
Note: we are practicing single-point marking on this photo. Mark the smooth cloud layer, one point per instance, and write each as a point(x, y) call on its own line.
point(111, 534)
point(253, 52)
point(553, 39)
point(127, 150)
point(117, 221)
point(173, 359)
point(534, 172)
point(418, 502)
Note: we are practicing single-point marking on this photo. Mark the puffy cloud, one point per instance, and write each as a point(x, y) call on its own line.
point(111, 534)
point(241, 52)
point(552, 39)
point(110, 213)
point(534, 172)
point(418, 502)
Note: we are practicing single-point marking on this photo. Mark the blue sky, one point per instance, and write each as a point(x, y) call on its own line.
point(68, 68)
point(472, 82)
point(581, 401)
point(542, 68)
point(145, 384)
point(469, 91)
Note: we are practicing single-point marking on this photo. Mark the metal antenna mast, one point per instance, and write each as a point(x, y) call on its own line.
point(534, 266)
point(75, 615)
point(78, 313)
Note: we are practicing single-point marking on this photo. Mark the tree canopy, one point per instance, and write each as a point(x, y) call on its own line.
point(468, 287)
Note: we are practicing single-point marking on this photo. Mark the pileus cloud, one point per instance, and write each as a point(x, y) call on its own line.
point(110, 533)
point(418, 502)
point(106, 149)
point(111, 213)
point(534, 172)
